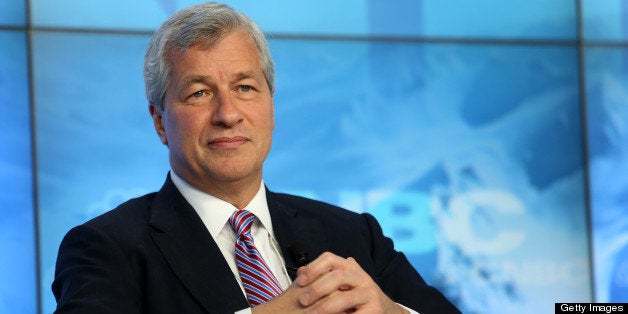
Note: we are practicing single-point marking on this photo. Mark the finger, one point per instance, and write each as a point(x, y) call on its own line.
point(327, 284)
point(362, 299)
point(287, 302)
point(340, 302)
point(325, 263)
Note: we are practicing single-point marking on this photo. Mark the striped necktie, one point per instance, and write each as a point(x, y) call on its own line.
point(259, 282)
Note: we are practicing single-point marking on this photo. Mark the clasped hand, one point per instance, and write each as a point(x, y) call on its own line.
point(331, 284)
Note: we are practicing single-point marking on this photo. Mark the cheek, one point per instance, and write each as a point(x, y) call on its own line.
point(272, 120)
point(272, 115)
point(190, 129)
point(178, 127)
point(269, 117)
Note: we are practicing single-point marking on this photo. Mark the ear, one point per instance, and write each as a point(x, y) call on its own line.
point(157, 116)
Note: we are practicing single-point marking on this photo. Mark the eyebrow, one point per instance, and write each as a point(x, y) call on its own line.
point(190, 80)
point(244, 75)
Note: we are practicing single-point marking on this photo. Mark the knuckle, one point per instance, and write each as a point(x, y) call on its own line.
point(348, 298)
point(325, 307)
point(316, 291)
point(338, 276)
point(352, 261)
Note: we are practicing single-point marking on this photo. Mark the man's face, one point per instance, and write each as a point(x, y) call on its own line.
point(218, 117)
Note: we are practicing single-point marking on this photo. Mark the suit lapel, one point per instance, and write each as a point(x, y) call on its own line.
point(192, 253)
point(295, 229)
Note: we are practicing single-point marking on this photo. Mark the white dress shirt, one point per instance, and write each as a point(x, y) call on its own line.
point(215, 214)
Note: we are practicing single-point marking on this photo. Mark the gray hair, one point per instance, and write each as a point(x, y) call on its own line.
point(206, 23)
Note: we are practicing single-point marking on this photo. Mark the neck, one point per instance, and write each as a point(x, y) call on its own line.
point(238, 193)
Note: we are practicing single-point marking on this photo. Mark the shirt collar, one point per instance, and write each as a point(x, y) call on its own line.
point(215, 212)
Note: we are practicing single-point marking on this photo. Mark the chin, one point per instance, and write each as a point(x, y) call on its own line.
point(231, 174)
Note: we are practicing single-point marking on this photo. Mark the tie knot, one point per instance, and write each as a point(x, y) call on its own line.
point(241, 221)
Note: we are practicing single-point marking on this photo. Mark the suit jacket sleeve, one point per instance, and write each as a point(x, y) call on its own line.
point(92, 275)
point(398, 278)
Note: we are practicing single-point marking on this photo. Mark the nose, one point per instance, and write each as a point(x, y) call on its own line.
point(226, 111)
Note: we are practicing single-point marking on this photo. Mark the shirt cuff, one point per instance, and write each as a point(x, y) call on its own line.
point(246, 311)
point(405, 307)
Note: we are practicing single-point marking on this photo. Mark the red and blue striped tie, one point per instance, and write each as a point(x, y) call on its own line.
point(259, 282)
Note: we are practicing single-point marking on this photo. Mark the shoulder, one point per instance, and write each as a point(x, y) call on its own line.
point(333, 219)
point(119, 231)
point(310, 206)
point(130, 215)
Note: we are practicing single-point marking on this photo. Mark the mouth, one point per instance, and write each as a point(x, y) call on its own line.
point(228, 142)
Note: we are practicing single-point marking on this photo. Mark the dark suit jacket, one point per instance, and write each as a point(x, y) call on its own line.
point(153, 254)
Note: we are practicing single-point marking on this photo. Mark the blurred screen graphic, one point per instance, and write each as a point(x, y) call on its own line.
point(477, 176)
point(607, 114)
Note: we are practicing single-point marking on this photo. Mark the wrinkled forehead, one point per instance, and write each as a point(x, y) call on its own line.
point(204, 39)
point(239, 54)
point(178, 49)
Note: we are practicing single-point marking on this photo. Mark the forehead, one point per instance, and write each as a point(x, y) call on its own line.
point(231, 59)
point(238, 41)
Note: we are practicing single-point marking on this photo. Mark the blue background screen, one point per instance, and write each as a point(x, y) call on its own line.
point(489, 138)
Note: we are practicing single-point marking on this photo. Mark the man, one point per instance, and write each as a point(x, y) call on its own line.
point(214, 239)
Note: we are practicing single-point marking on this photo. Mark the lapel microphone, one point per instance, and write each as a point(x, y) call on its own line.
point(298, 251)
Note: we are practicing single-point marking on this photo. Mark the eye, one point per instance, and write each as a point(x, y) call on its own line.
point(198, 94)
point(245, 88)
